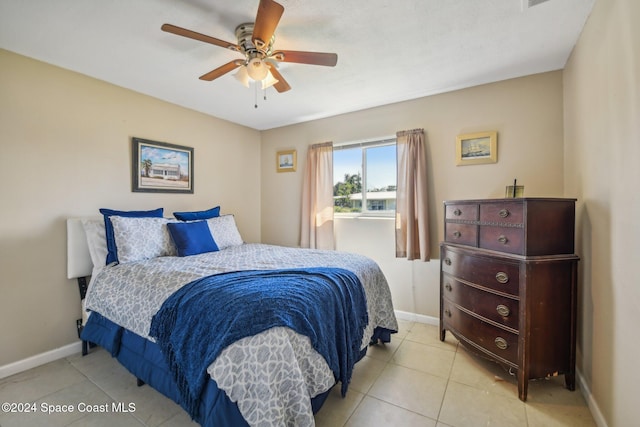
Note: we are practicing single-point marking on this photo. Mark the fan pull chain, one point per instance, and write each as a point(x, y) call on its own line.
point(255, 95)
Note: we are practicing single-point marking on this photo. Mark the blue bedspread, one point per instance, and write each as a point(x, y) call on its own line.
point(198, 321)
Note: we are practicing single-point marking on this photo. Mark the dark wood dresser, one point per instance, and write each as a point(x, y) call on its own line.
point(508, 284)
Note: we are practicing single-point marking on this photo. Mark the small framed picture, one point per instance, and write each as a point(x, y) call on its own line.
point(477, 148)
point(286, 161)
point(158, 167)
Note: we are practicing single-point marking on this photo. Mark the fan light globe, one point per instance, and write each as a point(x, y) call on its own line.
point(242, 76)
point(269, 81)
point(257, 69)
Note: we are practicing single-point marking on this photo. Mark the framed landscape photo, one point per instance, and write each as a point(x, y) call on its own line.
point(286, 161)
point(477, 148)
point(158, 167)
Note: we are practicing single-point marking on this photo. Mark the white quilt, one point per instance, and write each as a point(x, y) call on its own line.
point(272, 375)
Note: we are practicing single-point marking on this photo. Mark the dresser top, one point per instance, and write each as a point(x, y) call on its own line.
point(511, 199)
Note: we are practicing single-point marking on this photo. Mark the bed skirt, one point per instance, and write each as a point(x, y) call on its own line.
point(144, 360)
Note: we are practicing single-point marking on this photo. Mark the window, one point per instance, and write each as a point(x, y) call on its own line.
point(364, 177)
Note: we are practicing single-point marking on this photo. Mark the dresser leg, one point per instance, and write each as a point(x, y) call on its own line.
point(570, 381)
point(442, 334)
point(523, 385)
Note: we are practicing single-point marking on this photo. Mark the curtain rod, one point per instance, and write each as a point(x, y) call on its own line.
point(322, 144)
point(389, 139)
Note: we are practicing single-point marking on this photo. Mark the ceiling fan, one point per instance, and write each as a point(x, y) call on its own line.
point(255, 42)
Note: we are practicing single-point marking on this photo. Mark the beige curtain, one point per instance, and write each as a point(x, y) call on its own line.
point(317, 198)
point(412, 219)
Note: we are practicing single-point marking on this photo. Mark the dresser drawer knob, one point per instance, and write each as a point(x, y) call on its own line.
point(457, 234)
point(448, 287)
point(457, 212)
point(502, 277)
point(503, 310)
point(447, 312)
point(501, 343)
point(503, 239)
point(447, 261)
point(504, 213)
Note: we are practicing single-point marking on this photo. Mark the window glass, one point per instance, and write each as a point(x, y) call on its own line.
point(365, 178)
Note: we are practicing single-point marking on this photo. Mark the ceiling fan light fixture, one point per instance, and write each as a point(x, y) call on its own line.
point(242, 76)
point(257, 69)
point(269, 81)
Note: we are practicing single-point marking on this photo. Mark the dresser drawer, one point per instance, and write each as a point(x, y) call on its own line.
point(503, 239)
point(495, 340)
point(490, 272)
point(461, 211)
point(502, 213)
point(502, 310)
point(462, 234)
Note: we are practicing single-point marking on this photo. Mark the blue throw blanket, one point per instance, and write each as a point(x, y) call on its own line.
point(199, 320)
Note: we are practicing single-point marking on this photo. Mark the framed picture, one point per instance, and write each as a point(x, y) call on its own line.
point(286, 161)
point(158, 167)
point(477, 148)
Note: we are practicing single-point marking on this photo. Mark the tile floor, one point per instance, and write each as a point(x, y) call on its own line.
point(414, 381)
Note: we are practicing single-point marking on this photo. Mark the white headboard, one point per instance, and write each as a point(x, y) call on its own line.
point(78, 258)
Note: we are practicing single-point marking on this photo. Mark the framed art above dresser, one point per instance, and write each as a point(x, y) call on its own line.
point(508, 284)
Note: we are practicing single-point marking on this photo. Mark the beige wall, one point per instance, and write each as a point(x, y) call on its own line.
point(602, 146)
point(526, 112)
point(65, 151)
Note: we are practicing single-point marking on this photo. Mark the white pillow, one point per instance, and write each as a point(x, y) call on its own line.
point(97, 242)
point(142, 238)
point(224, 231)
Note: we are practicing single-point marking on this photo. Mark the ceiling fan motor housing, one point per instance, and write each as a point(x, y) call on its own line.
point(244, 34)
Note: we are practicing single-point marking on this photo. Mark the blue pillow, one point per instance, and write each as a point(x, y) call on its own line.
point(193, 216)
point(112, 250)
point(192, 238)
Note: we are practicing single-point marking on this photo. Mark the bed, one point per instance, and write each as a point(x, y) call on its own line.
point(266, 372)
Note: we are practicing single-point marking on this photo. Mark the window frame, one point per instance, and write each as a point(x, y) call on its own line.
point(363, 145)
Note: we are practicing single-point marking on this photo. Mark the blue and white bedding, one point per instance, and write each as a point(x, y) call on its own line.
point(271, 375)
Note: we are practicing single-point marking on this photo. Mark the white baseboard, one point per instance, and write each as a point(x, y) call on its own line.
point(420, 318)
point(40, 359)
point(591, 403)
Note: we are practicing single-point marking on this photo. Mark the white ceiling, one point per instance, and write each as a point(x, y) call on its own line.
point(388, 50)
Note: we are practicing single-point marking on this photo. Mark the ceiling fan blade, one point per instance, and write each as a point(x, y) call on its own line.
point(197, 36)
point(282, 85)
point(220, 71)
point(313, 58)
point(267, 18)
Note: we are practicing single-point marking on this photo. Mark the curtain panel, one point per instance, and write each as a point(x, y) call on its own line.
point(412, 213)
point(317, 198)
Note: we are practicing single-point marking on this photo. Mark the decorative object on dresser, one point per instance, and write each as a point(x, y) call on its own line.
point(508, 284)
point(513, 191)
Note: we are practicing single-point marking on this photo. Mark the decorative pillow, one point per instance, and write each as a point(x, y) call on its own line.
point(142, 238)
point(112, 255)
point(97, 242)
point(224, 231)
point(192, 238)
point(197, 215)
